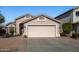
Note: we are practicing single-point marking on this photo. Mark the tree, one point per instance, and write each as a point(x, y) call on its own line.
point(67, 28)
point(2, 19)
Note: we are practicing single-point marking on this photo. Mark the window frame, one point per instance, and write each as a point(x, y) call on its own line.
point(77, 13)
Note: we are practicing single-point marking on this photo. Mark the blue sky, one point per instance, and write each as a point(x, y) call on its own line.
point(12, 12)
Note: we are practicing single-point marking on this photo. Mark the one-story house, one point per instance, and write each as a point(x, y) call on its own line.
point(37, 26)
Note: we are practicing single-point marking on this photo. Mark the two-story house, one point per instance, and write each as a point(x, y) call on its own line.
point(71, 16)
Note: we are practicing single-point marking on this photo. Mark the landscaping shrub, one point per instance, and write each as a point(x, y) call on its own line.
point(25, 36)
point(63, 34)
point(12, 31)
point(67, 28)
point(7, 35)
point(75, 36)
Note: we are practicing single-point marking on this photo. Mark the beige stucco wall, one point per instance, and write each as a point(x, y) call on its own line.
point(21, 20)
point(46, 22)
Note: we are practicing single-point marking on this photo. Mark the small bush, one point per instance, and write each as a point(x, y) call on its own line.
point(12, 31)
point(75, 36)
point(63, 34)
point(25, 36)
point(67, 28)
point(7, 35)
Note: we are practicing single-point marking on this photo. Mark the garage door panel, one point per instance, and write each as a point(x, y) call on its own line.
point(41, 31)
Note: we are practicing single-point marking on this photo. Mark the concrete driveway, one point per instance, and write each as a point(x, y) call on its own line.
point(62, 44)
point(20, 44)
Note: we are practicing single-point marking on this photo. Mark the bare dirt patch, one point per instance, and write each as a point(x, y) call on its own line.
point(13, 44)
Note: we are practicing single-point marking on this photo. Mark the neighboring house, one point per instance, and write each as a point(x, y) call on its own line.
point(9, 25)
point(37, 26)
point(71, 16)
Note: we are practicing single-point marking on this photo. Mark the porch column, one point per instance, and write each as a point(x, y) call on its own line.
point(17, 29)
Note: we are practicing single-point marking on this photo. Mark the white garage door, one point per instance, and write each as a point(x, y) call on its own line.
point(41, 31)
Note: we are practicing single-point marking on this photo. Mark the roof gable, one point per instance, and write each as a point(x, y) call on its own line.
point(24, 16)
point(69, 11)
point(45, 17)
point(10, 23)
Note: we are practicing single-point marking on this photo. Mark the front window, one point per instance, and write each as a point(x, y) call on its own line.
point(77, 13)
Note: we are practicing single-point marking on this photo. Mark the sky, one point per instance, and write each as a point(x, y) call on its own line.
point(12, 12)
